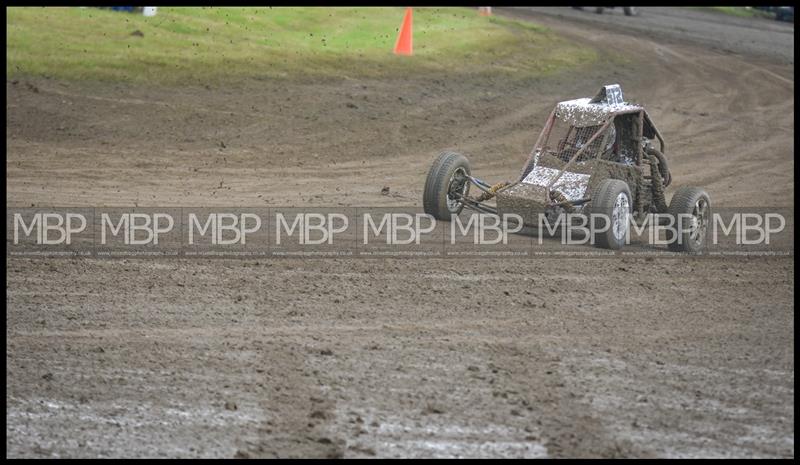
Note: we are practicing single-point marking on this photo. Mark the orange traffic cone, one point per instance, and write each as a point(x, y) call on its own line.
point(403, 44)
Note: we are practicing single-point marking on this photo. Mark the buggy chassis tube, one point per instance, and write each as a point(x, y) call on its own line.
point(482, 185)
point(573, 204)
point(480, 207)
point(471, 203)
point(547, 126)
point(468, 202)
point(656, 131)
point(577, 154)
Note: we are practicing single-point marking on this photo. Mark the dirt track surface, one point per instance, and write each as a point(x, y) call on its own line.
point(360, 358)
point(755, 37)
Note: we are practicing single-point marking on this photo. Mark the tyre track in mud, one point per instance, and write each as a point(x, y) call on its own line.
point(352, 365)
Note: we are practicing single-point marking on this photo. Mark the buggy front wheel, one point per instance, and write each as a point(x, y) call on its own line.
point(611, 203)
point(445, 185)
point(690, 208)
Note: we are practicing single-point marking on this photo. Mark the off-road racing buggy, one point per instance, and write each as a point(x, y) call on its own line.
point(594, 157)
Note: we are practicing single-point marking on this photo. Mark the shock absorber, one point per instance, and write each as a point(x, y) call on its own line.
point(492, 191)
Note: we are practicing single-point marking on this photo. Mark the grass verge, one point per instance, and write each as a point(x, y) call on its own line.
point(198, 45)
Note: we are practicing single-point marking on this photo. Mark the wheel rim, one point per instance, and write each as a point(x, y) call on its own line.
point(619, 216)
point(454, 204)
point(697, 234)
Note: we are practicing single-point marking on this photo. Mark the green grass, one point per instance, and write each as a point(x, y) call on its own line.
point(741, 11)
point(183, 45)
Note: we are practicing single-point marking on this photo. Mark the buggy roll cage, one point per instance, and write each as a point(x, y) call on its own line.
point(609, 96)
point(646, 130)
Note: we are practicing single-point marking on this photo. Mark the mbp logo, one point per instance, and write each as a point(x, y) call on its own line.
point(487, 229)
point(398, 228)
point(149, 226)
point(49, 228)
point(750, 228)
point(310, 228)
point(237, 227)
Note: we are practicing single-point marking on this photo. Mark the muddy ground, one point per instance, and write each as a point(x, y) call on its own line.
point(656, 357)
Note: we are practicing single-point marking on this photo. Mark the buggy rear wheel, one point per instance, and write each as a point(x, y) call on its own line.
point(611, 202)
point(630, 11)
point(690, 208)
point(445, 184)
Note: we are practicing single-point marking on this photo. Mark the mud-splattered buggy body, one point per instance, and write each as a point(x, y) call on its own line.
point(584, 142)
point(594, 155)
